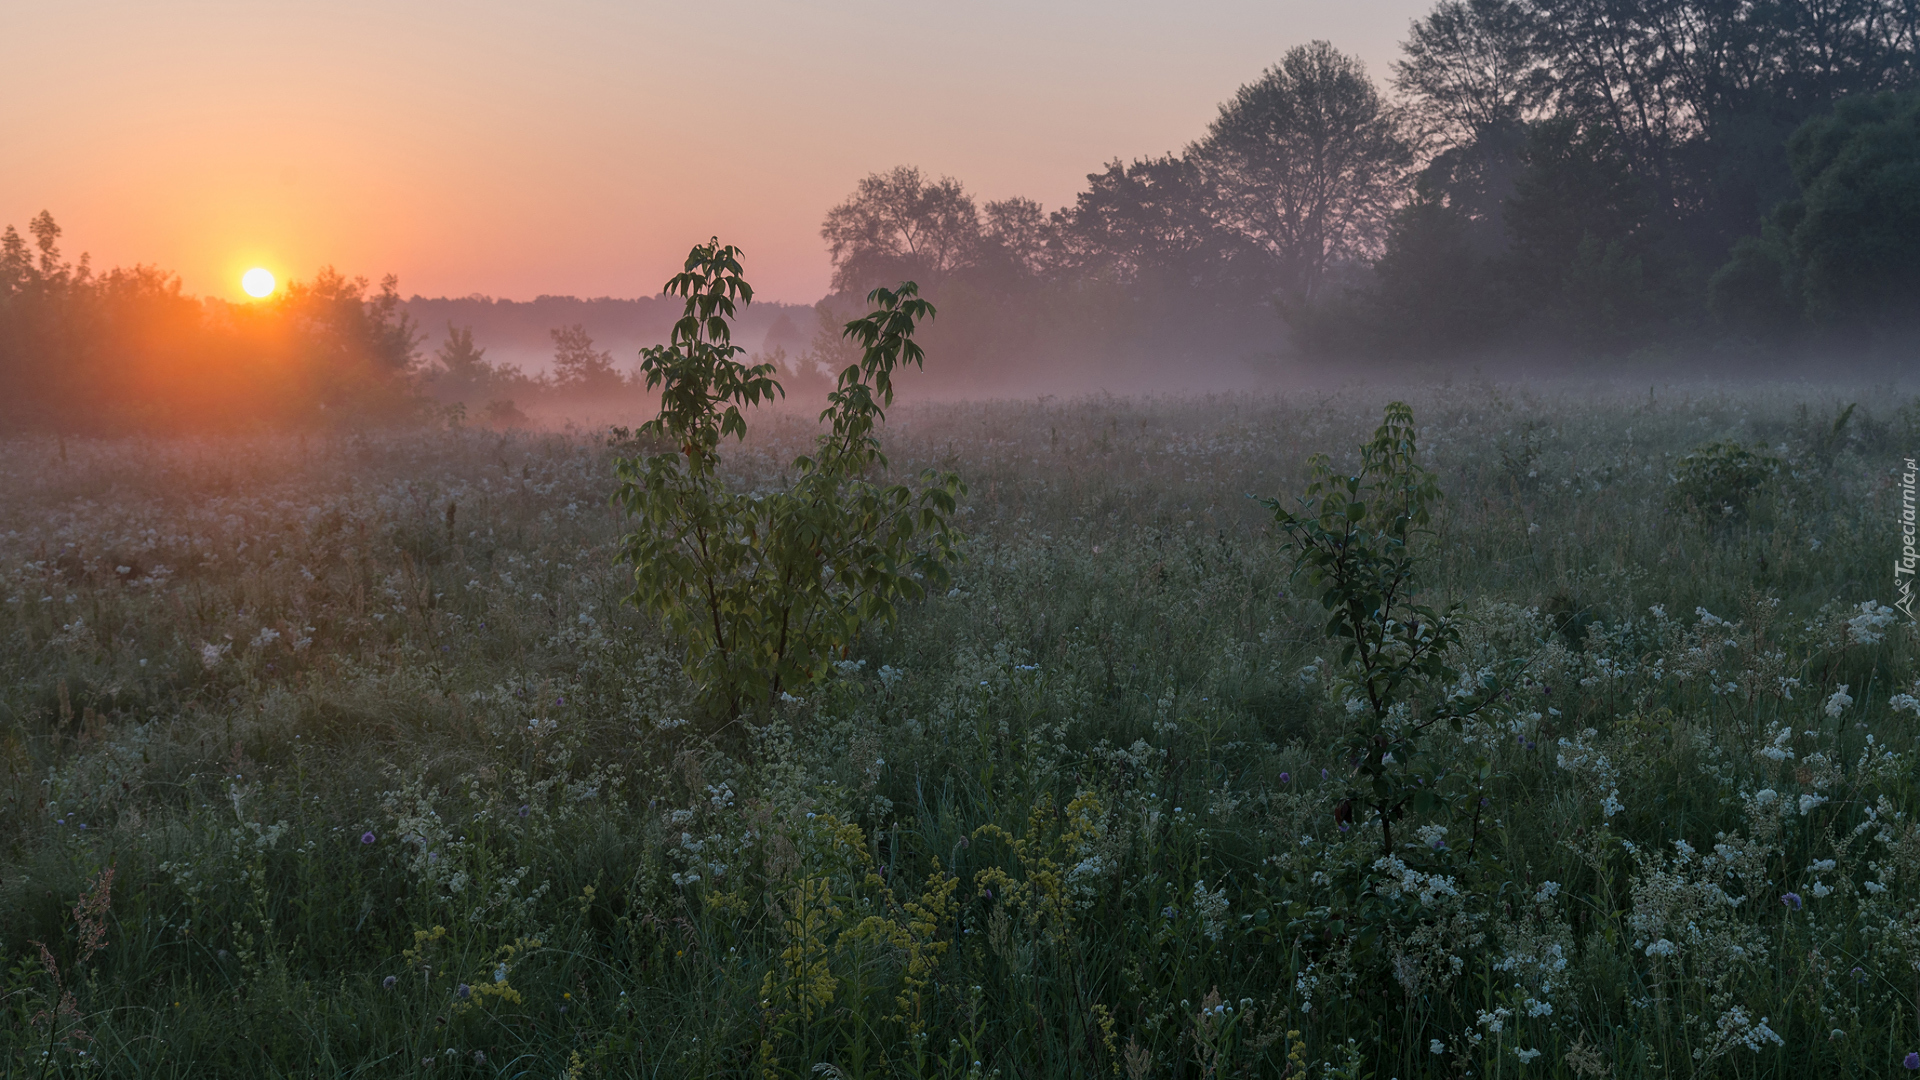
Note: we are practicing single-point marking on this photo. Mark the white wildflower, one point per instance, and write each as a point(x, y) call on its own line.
point(1213, 909)
point(1868, 627)
point(1838, 703)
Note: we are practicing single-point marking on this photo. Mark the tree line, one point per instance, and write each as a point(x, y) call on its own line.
point(128, 350)
point(1593, 176)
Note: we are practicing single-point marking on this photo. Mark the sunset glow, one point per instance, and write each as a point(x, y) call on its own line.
point(258, 283)
point(383, 145)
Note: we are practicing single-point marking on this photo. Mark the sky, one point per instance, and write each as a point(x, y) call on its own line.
point(580, 148)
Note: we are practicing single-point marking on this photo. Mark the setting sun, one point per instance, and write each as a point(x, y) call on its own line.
point(257, 282)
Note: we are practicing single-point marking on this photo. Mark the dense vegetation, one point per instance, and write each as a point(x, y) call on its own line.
point(341, 755)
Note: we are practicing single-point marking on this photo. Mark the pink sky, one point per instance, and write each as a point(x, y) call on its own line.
point(579, 148)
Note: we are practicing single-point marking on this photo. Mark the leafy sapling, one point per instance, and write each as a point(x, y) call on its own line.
point(767, 588)
point(1359, 539)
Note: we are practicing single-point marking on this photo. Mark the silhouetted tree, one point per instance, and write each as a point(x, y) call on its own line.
point(1308, 163)
point(579, 368)
point(1471, 66)
point(1148, 225)
point(899, 226)
point(1017, 238)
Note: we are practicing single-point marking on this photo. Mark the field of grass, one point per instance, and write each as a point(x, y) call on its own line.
point(342, 756)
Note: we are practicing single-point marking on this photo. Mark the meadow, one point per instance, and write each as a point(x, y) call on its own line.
point(341, 756)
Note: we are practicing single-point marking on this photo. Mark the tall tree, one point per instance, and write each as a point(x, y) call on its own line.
point(1148, 224)
point(899, 225)
point(1308, 163)
point(1471, 66)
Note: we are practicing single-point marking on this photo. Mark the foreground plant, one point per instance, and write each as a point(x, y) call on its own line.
point(1357, 538)
point(767, 588)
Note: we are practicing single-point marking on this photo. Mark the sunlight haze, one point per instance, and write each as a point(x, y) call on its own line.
point(579, 148)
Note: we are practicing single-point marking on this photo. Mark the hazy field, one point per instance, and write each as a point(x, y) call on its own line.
point(390, 782)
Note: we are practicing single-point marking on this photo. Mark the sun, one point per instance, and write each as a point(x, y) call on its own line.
point(257, 282)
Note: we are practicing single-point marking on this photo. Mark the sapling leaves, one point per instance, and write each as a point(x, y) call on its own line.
point(1357, 538)
point(767, 588)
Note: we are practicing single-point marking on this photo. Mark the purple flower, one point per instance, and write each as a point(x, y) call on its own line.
point(367, 837)
point(463, 991)
point(1323, 774)
point(525, 810)
point(1792, 900)
point(389, 982)
point(1912, 1061)
point(1286, 777)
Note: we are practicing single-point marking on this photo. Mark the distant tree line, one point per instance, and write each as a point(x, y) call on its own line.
point(1592, 176)
point(127, 350)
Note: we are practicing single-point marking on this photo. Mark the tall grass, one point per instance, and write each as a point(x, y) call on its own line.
point(391, 782)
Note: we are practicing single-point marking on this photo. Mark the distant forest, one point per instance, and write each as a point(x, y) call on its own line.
point(1593, 181)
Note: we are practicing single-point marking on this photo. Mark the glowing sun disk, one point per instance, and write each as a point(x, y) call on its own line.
point(257, 282)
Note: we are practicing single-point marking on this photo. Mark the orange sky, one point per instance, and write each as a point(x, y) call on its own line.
point(579, 148)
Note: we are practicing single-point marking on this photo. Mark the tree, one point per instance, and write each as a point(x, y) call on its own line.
point(1579, 222)
point(1018, 236)
point(461, 373)
point(1307, 163)
point(1433, 289)
point(1148, 224)
point(899, 225)
point(1846, 251)
point(459, 370)
point(1471, 66)
point(1856, 231)
point(350, 328)
point(579, 368)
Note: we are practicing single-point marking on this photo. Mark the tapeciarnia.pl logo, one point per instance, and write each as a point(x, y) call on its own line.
point(1903, 566)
